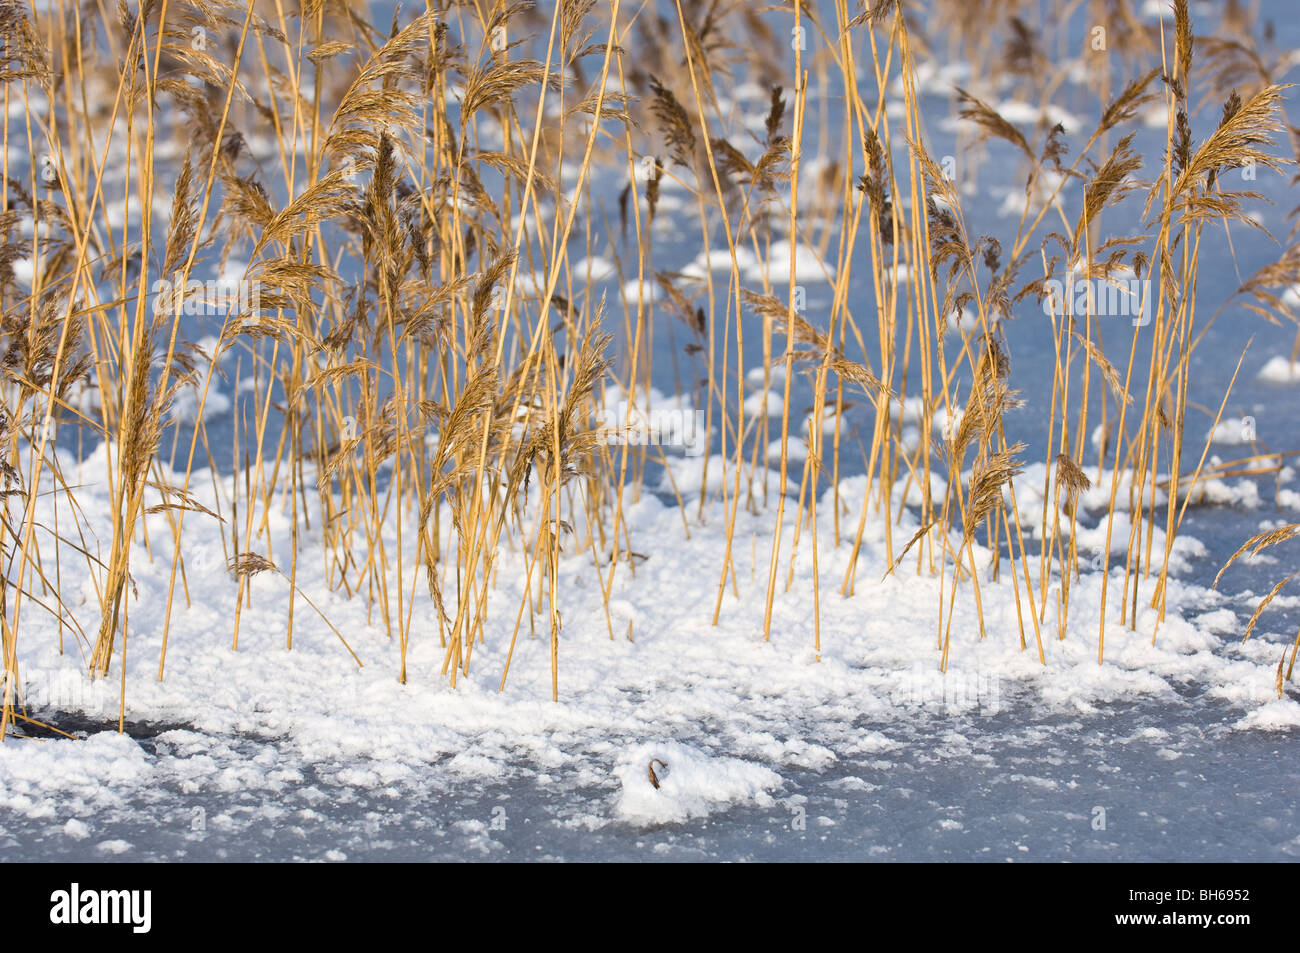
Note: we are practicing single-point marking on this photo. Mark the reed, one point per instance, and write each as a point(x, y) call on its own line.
point(409, 204)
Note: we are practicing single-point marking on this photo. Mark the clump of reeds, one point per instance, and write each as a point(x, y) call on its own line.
point(410, 199)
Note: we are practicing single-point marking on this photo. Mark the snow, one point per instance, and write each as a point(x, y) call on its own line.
point(761, 403)
point(691, 783)
point(742, 724)
point(1276, 715)
point(1027, 114)
point(808, 266)
point(1233, 431)
point(718, 261)
point(770, 707)
point(635, 291)
point(1280, 370)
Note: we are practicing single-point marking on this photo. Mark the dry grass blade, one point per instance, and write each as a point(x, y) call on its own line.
point(1259, 610)
point(1069, 476)
point(676, 124)
point(246, 565)
point(1258, 543)
point(991, 122)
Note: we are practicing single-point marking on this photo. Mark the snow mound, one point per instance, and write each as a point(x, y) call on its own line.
point(1275, 716)
point(1279, 370)
point(92, 772)
point(692, 783)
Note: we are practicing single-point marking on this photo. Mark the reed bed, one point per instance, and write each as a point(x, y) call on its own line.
point(405, 208)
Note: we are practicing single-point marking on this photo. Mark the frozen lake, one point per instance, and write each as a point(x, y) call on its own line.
point(1166, 782)
point(1102, 776)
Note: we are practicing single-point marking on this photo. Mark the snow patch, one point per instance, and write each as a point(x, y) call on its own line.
point(692, 783)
